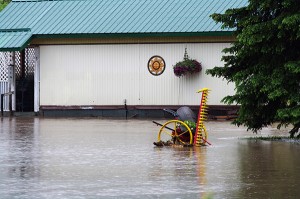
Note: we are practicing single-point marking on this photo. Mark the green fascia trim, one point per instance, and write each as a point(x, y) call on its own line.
point(134, 35)
point(112, 35)
point(16, 30)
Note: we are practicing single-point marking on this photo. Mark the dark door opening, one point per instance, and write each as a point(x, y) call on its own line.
point(24, 71)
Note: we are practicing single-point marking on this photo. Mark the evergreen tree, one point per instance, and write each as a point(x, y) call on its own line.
point(264, 63)
point(3, 4)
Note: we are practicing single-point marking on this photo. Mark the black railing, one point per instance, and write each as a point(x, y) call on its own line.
point(9, 94)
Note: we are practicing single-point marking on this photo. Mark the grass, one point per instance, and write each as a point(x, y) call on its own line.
point(274, 138)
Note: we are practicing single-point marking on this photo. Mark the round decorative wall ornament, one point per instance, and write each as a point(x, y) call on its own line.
point(156, 65)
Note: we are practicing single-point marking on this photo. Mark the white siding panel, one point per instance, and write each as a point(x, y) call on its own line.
point(108, 74)
point(87, 75)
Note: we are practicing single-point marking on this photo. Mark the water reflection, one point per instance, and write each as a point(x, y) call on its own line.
point(19, 148)
point(95, 158)
point(23, 139)
point(200, 156)
point(268, 169)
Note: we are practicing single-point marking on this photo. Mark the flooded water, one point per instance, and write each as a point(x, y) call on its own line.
point(97, 158)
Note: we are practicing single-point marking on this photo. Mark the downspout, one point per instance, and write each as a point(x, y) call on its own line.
point(37, 81)
point(12, 83)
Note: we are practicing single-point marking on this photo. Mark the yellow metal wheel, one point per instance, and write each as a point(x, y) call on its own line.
point(177, 132)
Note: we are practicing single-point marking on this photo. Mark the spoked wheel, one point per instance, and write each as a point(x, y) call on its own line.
point(176, 132)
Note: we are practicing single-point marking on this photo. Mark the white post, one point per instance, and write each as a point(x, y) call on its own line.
point(37, 80)
point(12, 80)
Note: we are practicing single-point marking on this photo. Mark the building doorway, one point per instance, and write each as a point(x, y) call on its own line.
point(24, 76)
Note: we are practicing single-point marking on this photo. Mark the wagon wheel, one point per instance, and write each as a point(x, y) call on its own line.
point(177, 132)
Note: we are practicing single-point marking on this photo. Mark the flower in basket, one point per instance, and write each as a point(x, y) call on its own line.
point(187, 66)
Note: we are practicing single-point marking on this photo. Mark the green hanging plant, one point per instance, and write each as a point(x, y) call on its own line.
point(187, 66)
point(190, 124)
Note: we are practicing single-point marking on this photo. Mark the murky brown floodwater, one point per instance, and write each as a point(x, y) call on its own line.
point(97, 158)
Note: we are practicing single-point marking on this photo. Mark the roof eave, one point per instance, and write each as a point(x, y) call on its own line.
point(135, 35)
point(18, 46)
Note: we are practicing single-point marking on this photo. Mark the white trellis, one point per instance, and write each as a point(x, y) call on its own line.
point(11, 71)
point(5, 61)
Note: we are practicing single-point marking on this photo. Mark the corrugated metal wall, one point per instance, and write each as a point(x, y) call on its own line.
point(108, 74)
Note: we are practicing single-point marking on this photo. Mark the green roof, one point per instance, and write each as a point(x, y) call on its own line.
point(61, 18)
point(14, 40)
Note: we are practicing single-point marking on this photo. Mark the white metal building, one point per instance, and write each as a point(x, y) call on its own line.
point(91, 57)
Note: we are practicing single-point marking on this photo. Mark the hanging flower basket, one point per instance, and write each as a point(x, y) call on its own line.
point(187, 66)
